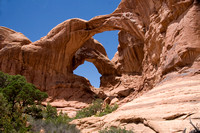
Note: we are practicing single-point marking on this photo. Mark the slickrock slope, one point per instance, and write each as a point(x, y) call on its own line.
point(165, 109)
point(154, 74)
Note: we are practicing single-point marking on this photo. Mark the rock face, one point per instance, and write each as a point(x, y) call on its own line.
point(49, 62)
point(165, 109)
point(155, 73)
point(93, 51)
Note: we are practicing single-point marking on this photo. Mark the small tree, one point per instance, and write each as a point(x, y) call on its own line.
point(20, 96)
point(20, 93)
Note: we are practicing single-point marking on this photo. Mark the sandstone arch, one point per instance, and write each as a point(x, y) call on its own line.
point(93, 51)
point(59, 46)
point(66, 38)
point(49, 62)
point(168, 54)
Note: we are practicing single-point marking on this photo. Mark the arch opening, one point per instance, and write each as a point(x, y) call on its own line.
point(109, 39)
point(89, 71)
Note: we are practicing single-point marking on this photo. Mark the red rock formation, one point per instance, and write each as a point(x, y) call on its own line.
point(49, 62)
point(93, 51)
point(170, 67)
point(164, 109)
point(130, 52)
point(159, 45)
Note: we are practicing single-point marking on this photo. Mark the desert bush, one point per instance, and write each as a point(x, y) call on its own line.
point(107, 110)
point(22, 111)
point(115, 130)
point(91, 110)
point(96, 109)
point(17, 96)
point(5, 119)
point(4, 109)
point(49, 112)
point(52, 126)
point(36, 111)
point(52, 122)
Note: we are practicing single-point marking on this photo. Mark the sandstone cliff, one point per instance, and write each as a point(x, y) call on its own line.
point(154, 74)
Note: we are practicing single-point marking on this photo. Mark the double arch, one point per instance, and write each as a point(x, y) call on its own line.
point(65, 39)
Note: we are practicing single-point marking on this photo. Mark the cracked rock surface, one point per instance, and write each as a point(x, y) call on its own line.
point(154, 75)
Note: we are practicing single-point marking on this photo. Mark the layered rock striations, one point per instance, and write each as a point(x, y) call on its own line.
point(154, 73)
point(167, 108)
point(49, 62)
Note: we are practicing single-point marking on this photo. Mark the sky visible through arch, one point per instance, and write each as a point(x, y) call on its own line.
point(35, 18)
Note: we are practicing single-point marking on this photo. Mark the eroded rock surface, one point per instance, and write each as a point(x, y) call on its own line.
point(167, 108)
point(49, 62)
point(154, 74)
point(94, 52)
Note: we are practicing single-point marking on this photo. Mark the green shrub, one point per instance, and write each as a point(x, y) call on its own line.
point(20, 104)
point(19, 93)
point(17, 100)
point(55, 125)
point(5, 119)
point(107, 110)
point(36, 111)
point(49, 112)
point(115, 130)
point(96, 109)
point(4, 108)
point(52, 122)
point(91, 110)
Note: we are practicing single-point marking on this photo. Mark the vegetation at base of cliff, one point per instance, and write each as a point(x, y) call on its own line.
point(107, 110)
point(21, 109)
point(97, 109)
point(17, 96)
point(115, 130)
point(52, 122)
point(91, 110)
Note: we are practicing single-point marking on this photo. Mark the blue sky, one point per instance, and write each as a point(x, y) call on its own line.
point(35, 18)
